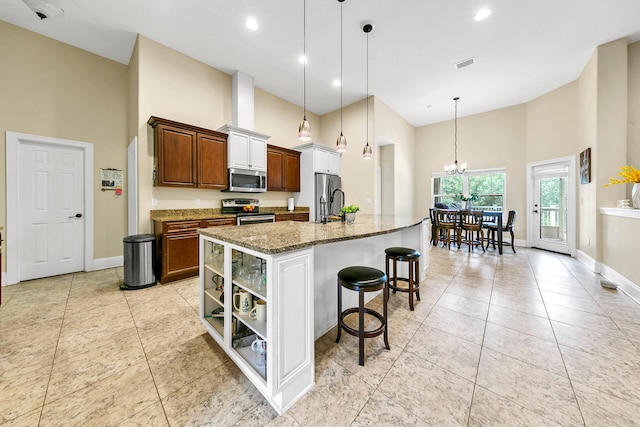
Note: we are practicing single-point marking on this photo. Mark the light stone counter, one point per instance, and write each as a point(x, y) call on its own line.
point(288, 236)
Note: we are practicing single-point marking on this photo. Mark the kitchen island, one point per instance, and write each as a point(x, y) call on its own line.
point(292, 266)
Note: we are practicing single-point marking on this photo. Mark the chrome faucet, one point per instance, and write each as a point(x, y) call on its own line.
point(331, 200)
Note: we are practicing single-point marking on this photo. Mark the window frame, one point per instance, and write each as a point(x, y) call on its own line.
point(465, 182)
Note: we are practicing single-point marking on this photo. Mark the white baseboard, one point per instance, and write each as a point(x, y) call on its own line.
point(520, 242)
point(98, 264)
point(103, 263)
point(626, 285)
point(588, 261)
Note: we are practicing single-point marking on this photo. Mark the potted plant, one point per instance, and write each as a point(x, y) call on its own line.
point(349, 213)
point(467, 200)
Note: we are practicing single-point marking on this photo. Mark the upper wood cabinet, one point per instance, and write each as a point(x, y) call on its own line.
point(189, 156)
point(283, 169)
point(247, 149)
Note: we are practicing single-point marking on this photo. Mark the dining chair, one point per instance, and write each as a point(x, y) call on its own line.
point(433, 217)
point(493, 228)
point(471, 231)
point(448, 221)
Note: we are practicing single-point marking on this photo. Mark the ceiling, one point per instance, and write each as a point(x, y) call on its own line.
point(523, 49)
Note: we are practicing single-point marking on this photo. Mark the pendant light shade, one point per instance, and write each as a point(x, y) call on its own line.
point(304, 130)
point(341, 142)
point(367, 152)
point(453, 169)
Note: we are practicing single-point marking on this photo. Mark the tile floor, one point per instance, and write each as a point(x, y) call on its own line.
point(526, 339)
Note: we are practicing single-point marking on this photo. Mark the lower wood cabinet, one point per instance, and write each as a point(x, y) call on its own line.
point(177, 246)
point(298, 216)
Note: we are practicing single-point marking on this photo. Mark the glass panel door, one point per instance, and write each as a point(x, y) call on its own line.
point(550, 211)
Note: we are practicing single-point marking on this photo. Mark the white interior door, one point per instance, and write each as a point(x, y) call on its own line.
point(51, 205)
point(552, 212)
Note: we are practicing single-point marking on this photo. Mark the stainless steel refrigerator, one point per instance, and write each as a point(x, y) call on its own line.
point(328, 201)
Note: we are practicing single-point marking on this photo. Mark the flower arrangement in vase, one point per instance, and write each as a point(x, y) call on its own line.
point(629, 175)
point(467, 200)
point(349, 213)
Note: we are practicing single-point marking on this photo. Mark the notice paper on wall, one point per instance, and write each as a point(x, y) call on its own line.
point(111, 179)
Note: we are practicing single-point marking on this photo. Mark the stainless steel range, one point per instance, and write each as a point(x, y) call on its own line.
point(247, 211)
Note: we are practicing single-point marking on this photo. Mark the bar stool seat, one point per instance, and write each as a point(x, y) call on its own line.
point(363, 279)
point(412, 256)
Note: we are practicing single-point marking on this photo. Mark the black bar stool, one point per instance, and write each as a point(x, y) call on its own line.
point(411, 256)
point(361, 280)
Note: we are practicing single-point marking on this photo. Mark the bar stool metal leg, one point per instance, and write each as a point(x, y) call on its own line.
point(339, 310)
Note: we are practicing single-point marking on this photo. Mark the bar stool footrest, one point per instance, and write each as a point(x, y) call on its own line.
point(356, 333)
point(416, 286)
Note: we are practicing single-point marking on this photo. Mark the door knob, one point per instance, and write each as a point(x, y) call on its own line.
point(78, 215)
point(535, 211)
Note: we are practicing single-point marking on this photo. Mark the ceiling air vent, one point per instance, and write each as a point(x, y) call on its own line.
point(465, 63)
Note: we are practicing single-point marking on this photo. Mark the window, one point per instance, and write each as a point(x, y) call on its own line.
point(489, 185)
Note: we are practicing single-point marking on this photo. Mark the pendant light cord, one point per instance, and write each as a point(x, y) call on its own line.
point(367, 89)
point(455, 131)
point(304, 53)
point(341, 82)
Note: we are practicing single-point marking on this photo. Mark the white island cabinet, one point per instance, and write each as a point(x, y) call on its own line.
point(292, 266)
point(285, 371)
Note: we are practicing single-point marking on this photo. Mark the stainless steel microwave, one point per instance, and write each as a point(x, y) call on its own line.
point(247, 180)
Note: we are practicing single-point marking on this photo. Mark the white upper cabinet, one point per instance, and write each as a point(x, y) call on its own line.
point(326, 161)
point(247, 149)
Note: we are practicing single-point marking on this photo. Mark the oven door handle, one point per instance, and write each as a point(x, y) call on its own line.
point(257, 219)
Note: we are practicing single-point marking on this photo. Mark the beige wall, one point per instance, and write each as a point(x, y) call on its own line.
point(52, 89)
point(391, 128)
point(633, 108)
point(358, 175)
point(552, 125)
point(620, 238)
point(387, 179)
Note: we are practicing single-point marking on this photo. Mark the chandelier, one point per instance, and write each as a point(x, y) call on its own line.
point(454, 168)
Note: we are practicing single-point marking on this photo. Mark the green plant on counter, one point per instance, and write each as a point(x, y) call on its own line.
point(349, 209)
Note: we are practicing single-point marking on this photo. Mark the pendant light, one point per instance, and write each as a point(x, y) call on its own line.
point(367, 152)
point(341, 142)
point(304, 130)
point(454, 169)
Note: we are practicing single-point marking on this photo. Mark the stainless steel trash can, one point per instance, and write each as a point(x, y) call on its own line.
point(139, 255)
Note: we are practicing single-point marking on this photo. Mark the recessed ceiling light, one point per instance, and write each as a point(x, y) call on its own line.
point(251, 24)
point(337, 83)
point(482, 14)
point(302, 59)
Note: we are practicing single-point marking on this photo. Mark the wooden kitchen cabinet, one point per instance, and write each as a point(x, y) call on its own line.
point(177, 246)
point(298, 216)
point(283, 169)
point(189, 156)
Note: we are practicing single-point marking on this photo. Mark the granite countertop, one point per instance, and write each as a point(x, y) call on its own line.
point(212, 213)
point(290, 235)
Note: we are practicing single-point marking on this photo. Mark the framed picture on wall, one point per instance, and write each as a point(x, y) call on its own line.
point(585, 166)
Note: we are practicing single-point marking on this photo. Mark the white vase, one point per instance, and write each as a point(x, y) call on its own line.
point(635, 195)
point(350, 217)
